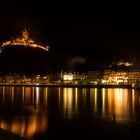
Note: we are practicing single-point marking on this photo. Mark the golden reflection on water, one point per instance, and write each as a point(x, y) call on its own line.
point(3, 91)
point(133, 100)
point(67, 101)
point(26, 125)
point(103, 101)
point(70, 98)
point(37, 95)
point(34, 102)
point(45, 96)
point(122, 107)
point(93, 99)
point(12, 91)
point(120, 102)
point(27, 94)
point(76, 100)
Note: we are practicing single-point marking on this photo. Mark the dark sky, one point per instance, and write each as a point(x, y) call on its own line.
point(75, 27)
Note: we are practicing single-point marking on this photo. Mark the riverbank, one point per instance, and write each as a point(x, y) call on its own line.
point(69, 85)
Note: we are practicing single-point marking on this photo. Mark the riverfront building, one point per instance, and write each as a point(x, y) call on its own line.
point(107, 77)
point(111, 77)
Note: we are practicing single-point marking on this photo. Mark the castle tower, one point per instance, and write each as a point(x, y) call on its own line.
point(25, 34)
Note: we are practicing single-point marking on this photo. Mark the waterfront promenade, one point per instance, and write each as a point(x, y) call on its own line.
point(69, 85)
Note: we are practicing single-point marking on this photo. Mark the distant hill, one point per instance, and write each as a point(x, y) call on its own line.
point(29, 60)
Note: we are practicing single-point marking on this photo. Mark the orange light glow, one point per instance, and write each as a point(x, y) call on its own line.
point(24, 41)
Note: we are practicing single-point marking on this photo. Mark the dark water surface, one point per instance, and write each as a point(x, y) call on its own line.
point(37, 112)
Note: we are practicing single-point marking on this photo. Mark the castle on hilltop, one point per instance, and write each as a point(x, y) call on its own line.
point(24, 40)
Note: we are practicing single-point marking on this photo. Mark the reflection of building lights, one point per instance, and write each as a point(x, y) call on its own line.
point(37, 95)
point(95, 99)
point(27, 129)
point(12, 94)
point(46, 95)
point(76, 99)
point(118, 103)
point(68, 101)
point(103, 101)
point(27, 95)
point(133, 101)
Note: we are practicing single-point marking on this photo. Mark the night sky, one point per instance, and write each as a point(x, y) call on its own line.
point(100, 29)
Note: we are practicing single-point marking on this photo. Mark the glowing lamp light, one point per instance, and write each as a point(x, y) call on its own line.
point(103, 81)
point(65, 77)
point(68, 77)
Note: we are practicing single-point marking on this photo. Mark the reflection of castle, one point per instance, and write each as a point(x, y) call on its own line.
point(24, 41)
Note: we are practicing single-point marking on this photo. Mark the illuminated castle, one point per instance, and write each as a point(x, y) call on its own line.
point(24, 41)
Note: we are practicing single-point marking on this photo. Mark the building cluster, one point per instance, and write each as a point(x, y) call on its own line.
point(107, 77)
point(111, 77)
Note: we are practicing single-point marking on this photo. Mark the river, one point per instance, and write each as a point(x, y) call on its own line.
point(30, 111)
